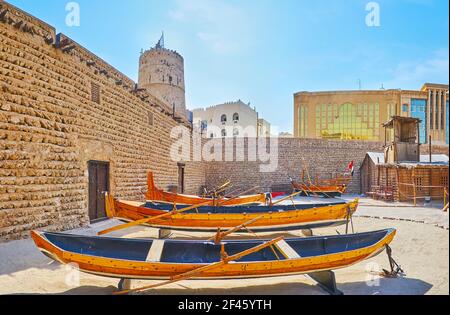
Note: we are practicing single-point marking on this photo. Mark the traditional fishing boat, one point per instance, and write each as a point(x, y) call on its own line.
point(320, 189)
point(203, 217)
point(158, 195)
point(329, 188)
point(178, 260)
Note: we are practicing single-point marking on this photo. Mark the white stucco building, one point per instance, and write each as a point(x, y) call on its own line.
point(233, 119)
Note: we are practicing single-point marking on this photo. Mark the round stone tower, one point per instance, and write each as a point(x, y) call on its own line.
point(161, 73)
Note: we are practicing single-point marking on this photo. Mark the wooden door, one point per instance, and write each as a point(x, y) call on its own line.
point(181, 171)
point(98, 185)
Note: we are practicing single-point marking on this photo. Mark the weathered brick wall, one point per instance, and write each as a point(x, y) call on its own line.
point(435, 149)
point(50, 129)
point(323, 158)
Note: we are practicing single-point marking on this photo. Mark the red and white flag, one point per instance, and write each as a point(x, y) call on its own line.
point(351, 167)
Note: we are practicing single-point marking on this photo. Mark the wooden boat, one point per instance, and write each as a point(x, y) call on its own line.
point(319, 190)
point(158, 195)
point(190, 259)
point(206, 218)
point(329, 188)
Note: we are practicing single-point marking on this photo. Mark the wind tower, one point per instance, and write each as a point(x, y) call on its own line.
point(161, 73)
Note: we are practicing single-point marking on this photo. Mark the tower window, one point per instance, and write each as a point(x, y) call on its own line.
point(95, 93)
point(236, 117)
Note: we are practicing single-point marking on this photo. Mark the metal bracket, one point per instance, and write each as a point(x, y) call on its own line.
point(164, 234)
point(124, 284)
point(396, 269)
point(327, 281)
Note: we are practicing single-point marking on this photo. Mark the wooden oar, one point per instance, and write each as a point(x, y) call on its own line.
point(236, 197)
point(285, 198)
point(220, 235)
point(148, 220)
point(200, 270)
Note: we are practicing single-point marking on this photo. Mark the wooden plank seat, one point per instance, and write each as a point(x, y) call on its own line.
point(155, 252)
point(287, 251)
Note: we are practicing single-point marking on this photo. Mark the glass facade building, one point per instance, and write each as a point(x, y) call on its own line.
point(419, 110)
point(359, 115)
point(446, 124)
point(348, 121)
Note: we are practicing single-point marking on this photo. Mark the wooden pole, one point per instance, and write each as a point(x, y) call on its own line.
point(148, 220)
point(285, 198)
point(221, 235)
point(414, 187)
point(198, 271)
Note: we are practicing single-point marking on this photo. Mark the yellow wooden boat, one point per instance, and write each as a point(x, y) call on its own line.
point(208, 218)
point(176, 260)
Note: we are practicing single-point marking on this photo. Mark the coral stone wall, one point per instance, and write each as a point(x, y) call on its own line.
point(323, 158)
point(50, 128)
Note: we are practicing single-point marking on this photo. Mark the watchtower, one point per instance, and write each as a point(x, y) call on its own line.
point(161, 73)
point(406, 144)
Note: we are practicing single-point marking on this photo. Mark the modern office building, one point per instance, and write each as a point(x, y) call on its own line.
point(358, 115)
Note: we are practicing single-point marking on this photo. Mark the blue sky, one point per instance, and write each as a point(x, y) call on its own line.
point(263, 51)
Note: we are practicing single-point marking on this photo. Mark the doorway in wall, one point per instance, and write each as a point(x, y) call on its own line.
point(181, 173)
point(98, 185)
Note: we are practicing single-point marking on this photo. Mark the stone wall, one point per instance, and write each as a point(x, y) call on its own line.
point(323, 159)
point(50, 128)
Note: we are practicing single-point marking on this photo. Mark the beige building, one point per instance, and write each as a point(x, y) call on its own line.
point(358, 115)
point(233, 119)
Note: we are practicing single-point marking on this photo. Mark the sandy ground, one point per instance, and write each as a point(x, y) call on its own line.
point(422, 249)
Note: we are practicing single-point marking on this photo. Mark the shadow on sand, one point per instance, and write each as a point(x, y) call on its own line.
point(385, 286)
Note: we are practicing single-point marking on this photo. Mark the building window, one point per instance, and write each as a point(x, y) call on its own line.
point(95, 93)
point(211, 135)
point(405, 108)
point(303, 120)
point(444, 181)
point(419, 110)
point(224, 133)
point(235, 132)
point(418, 183)
point(236, 118)
point(150, 119)
point(203, 125)
point(443, 98)
point(432, 102)
point(223, 119)
point(346, 122)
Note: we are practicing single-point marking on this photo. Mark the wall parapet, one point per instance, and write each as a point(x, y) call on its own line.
point(25, 22)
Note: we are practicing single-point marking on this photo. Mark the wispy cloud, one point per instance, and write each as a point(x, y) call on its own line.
point(414, 73)
point(218, 24)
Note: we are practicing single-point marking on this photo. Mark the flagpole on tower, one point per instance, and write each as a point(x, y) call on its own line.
point(160, 43)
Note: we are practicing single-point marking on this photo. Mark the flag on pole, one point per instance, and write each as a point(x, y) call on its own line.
point(160, 43)
point(351, 167)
